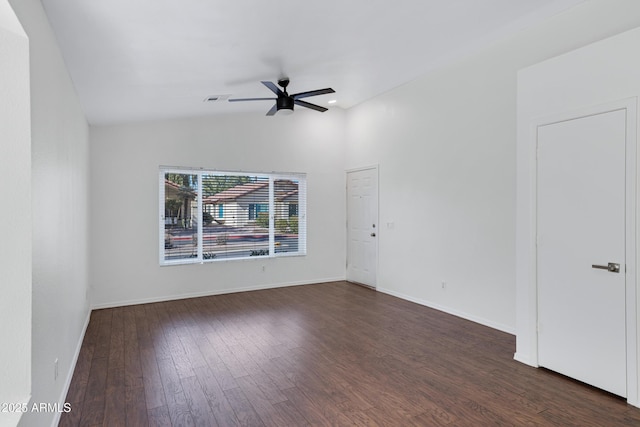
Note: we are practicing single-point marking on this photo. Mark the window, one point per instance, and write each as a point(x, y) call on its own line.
point(255, 209)
point(215, 215)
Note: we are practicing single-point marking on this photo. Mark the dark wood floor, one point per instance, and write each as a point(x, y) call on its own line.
point(326, 354)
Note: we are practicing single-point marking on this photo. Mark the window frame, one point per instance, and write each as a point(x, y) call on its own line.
point(300, 178)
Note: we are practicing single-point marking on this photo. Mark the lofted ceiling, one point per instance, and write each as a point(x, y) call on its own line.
point(136, 60)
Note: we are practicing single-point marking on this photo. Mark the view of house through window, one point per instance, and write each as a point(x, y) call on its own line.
point(286, 214)
point(211, 215)
point(180, 214)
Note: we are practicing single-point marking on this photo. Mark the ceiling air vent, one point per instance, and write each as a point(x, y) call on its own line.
point(216, 98)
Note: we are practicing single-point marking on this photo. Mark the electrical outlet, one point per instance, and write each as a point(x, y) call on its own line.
point(264, 268)
point(55, 369)
point(444, 284)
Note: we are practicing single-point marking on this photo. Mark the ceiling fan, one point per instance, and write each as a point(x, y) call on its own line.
point(284, 101)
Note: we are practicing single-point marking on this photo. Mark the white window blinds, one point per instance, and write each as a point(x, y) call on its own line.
point(214, 215)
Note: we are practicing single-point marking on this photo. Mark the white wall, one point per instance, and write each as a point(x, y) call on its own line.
point(15, 215)
point(59, 178)
point(124, 201)
point(598, 74)
point(445, 144)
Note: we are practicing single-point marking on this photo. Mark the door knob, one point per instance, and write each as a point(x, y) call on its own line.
point(612, 267)
point(373, 234)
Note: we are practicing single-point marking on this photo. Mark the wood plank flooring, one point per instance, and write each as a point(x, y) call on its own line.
point(328, 354)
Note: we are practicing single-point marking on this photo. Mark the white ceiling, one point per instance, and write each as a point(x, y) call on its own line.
point(155, 59)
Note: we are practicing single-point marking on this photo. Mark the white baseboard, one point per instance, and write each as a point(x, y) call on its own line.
point(211, 292)
point(519, 357)
point(67, 383)
point(467, 316)
point(633, 402)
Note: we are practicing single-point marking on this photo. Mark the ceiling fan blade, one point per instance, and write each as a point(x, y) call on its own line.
point(312, 93)
point(309, 105)
point(273, 88)
point(273, 110)
point(251, 99)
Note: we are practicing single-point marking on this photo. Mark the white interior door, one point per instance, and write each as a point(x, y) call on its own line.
point(362, 226)
point(581, 224)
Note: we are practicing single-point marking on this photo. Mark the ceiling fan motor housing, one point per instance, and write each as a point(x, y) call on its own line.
point(284, 103)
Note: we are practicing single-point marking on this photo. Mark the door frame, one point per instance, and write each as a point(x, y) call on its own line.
point(631, 261)
point(377, 240)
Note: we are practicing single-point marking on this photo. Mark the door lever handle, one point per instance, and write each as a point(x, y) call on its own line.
point(612, 267)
